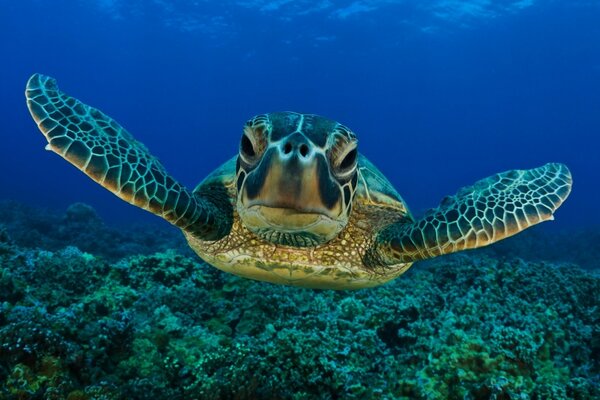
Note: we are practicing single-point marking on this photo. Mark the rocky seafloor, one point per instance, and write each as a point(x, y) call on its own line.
point(91, 312)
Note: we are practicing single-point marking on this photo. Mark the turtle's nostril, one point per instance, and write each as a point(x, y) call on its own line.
point(287, 148)
point(303, 150)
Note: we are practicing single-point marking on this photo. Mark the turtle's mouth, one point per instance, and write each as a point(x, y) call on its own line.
point(289, 226)
point(285, 218)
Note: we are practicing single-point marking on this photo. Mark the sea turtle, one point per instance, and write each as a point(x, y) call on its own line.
point(298, 204)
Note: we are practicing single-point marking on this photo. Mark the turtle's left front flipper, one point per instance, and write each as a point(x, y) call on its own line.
point(107, 153)
point(491, 210)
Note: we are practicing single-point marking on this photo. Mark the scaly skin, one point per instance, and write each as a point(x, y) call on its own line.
point(337, 264)
point(97, 145)
point(492, 209)
point(379, 241)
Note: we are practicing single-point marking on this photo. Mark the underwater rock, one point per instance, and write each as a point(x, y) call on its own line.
point(80, 226)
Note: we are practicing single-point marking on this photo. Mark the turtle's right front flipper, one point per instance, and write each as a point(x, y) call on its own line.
point(107, 153)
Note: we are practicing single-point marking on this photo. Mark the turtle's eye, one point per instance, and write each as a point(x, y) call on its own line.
point(344, 160)
point(247, 147)
point(349, 160)
point(252, 144)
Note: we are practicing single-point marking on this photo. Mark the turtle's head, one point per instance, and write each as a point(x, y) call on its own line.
point(296, 178)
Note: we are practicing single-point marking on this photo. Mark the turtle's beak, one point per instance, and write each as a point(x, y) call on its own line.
point(290, 196)
point(294, 177)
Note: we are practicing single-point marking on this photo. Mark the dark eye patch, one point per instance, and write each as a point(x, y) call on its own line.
point(354, 181)
point(347, 194)
point(240, 180)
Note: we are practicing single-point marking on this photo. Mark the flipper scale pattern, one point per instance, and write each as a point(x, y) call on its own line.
point(97, 145)
point(490, 210)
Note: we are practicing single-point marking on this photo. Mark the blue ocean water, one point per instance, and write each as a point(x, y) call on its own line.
point(441, 93)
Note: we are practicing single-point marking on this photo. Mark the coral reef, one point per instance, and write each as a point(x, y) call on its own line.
point(82, 323)
point(80, 226)
point(543, 243)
